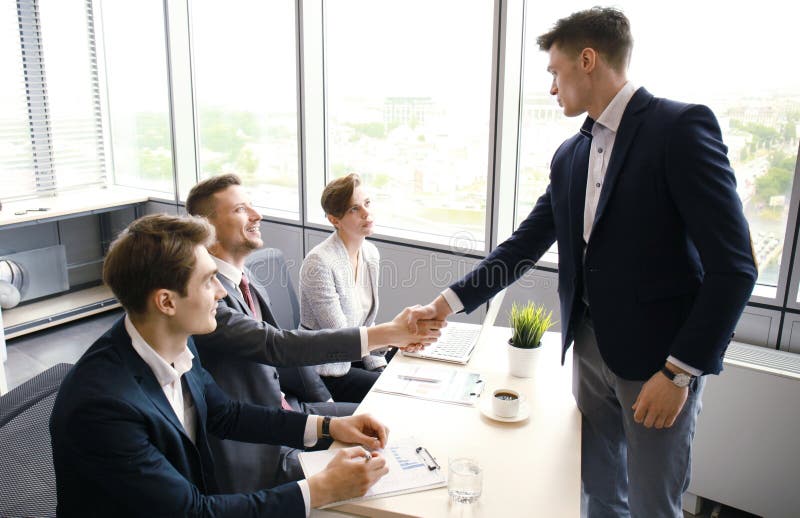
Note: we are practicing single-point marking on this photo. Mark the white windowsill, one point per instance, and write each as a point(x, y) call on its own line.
point(69, 203)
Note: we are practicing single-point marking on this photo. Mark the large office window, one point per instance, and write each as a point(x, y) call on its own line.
point(16, 155)
point(245, 70)
point(52, 135)
point(408, 105)
point(75, 122)
point(724, 58)
point(137, 88)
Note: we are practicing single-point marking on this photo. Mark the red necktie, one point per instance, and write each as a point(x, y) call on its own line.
point(244, 285)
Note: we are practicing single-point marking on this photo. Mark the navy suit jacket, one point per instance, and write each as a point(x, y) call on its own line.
point(119, 449)
point(240, 367)
point(668, 267)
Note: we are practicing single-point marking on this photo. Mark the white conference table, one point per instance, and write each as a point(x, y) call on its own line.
point(530, 468)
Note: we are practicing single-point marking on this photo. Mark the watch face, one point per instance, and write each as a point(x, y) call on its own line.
point(682, 380)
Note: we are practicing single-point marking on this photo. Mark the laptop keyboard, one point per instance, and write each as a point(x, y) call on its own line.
point(455, 344)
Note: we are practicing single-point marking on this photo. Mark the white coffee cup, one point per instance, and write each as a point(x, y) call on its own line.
point(505, 402)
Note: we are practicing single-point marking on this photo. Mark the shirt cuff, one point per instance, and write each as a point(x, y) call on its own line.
point(373, 361)
point(452, 299)
point(306, 491)
point(310, 434)
point(364, 340)
point(688, 368)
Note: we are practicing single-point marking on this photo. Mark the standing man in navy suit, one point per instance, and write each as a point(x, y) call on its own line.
point(131, 420)
point(655, 265)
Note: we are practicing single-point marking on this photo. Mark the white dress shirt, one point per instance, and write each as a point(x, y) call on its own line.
point(604, 133)
point(363, 289)
point(169, 378)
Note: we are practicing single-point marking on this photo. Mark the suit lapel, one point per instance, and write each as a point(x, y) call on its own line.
point(262, 299)
point(145, 377)
point(577, 188)
point(233, 293)
point(629, 125)
point(198, 397)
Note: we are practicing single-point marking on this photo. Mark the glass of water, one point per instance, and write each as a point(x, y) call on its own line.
point(464, 480)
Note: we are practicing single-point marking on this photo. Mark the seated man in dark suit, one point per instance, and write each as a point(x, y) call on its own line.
point(243, 351)
point(131, 421)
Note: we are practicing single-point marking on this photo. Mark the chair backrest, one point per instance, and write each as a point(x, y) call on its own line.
point(27, 477)
point(269, 270)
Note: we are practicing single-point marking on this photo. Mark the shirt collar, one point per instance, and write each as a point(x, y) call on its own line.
point(612, 115)
point(163, 371)
point(228, 271)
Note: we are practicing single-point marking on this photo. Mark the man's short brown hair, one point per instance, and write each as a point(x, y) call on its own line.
point(201, 198)
point(154, 252)
point(337, 194)
point(605, 29)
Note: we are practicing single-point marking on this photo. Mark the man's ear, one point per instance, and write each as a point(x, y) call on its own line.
point(333, 219)
point(588, 59)
point(164, 301)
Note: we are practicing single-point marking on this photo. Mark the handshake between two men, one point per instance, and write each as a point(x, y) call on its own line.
point(353, 470)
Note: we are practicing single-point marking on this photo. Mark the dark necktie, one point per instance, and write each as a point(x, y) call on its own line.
point(244, 285)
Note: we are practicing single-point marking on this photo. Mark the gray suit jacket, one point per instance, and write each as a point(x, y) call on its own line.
point(240, 355)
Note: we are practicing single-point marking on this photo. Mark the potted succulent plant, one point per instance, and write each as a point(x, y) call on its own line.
point(528, 324)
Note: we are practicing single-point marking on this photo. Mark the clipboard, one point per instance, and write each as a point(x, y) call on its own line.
point(411, 468)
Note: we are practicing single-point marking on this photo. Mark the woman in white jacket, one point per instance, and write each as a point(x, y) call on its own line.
point(339, 285)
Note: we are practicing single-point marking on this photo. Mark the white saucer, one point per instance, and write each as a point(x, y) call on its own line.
point(524, 412)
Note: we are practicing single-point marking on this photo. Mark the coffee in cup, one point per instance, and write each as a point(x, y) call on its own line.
point(505, 402)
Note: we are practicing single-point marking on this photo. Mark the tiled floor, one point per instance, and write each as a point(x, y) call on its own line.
point(31, 354)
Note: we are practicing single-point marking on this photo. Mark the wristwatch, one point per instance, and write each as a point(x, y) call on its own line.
point(326, 427)
point(679, 379)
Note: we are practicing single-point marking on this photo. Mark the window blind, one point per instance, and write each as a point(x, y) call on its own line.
point(16, 153)
point(56, 45)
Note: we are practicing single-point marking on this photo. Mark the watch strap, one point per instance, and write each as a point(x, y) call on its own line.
point(668, 373)
point(678, 379)
point(326, 427)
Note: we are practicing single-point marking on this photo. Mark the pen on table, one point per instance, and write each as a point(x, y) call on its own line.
point(418, 378)
point(25, 211)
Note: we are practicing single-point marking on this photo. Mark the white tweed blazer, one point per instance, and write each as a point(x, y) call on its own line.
point(328, 297)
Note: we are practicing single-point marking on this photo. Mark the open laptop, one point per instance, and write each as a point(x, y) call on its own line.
point(458, 339)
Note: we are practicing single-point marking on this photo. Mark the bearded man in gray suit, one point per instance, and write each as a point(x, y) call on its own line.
point(243, 352)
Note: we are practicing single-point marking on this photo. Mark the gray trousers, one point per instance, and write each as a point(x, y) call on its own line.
point(628, 470)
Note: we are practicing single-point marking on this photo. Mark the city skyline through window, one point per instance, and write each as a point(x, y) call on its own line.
point(408, 104)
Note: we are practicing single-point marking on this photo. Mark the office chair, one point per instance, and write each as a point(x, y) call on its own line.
point(269, 271)
point(27, 478)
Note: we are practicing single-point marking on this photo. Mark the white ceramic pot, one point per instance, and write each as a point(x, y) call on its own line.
point(520, 361)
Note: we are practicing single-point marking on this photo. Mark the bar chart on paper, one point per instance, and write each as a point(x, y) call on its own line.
point(411, 468)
